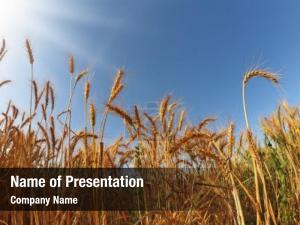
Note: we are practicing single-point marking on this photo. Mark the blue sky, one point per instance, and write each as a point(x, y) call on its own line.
point(195, 50)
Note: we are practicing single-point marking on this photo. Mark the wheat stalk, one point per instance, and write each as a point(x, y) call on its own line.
point(86, 97)
point(31, 61)
point(251, 74)
point(114, 93)
point(71, 72)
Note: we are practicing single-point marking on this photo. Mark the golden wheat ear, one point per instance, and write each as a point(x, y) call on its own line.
point(117, 86)
point(87, 88)
point(120, 112)
point(92, 115)
point(29, 51)
point(274, 78)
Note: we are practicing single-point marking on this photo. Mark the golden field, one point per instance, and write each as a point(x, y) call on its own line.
point(248, 181)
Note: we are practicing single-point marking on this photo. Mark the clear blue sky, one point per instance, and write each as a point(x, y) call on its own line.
point(196, 50)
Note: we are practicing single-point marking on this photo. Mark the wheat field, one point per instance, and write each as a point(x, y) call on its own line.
point(251, 181)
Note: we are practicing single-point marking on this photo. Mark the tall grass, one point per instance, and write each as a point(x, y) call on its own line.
point(246, 181)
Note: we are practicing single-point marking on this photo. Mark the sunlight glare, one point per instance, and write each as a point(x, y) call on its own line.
point(13, 16)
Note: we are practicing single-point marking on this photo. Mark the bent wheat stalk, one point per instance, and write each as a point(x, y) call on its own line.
point(256, 73)
point(256, 166)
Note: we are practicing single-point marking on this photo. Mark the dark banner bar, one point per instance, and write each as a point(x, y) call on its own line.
point(100, 189)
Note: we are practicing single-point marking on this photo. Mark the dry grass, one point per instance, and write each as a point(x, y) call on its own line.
point(246, 182)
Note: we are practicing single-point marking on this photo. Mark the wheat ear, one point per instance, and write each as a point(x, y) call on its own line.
point(251, 74)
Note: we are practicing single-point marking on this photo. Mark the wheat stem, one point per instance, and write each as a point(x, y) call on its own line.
point(244, 107)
